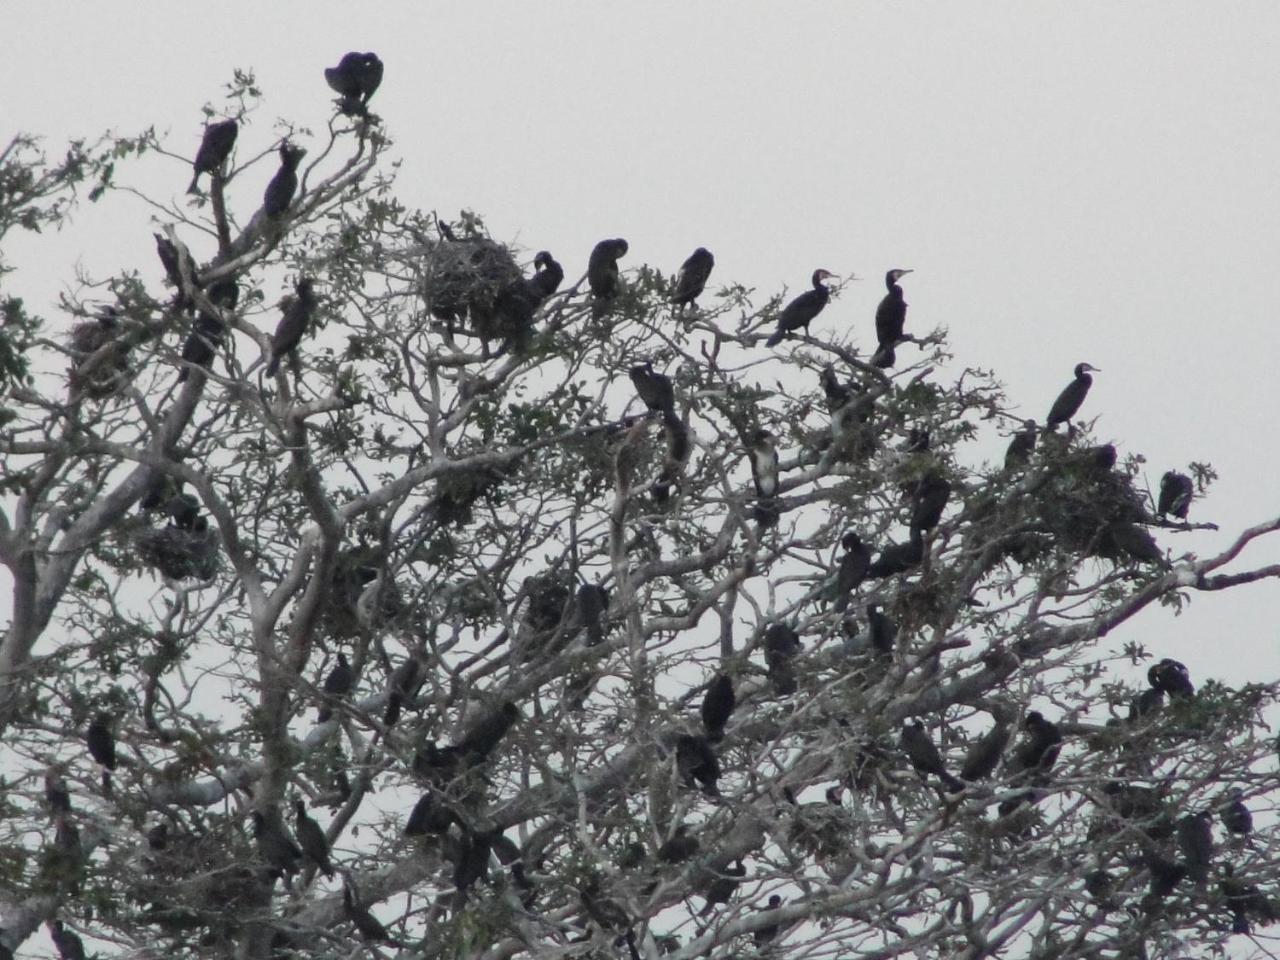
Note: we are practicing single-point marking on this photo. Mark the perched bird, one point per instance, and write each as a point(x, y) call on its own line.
point(484, 737)
point(1166, 874)
point(692, 279)
point(1021, 446)
point(1127, 542)
point(781, 644)
point(336, 685)
point(593, 604)
point(764, 462)
point(429, 816)
point(215, 147)
point(293, 324)
point(471, 861)
point(655, 389)
point(311, 839)
point(931, 495)
point(355, 79)
point(547, 277)
point(56, 793)
point(1071, 397)
point(206, 334)
point(680, 847)
point(1195, 840)
point(679, 447)
point(799, 313)
point(852, 569)
point(280, 191)
point(717, 706)
point(984, 756)
point(101, 741)
point(66, 941)
point(924, 755)
point(404, 683)
point(891, 318)
point(764, 935)
point(696, 763)
point(1038, 751)
point(723, 887)
point(1235, 815)
point(898, 557)
point(1172, 677)
point(275, 846)
point(1148, 702)
point(882, 633)
point(1176, 491)
point(603, 276)
point(368, 926)
point(1245, 900)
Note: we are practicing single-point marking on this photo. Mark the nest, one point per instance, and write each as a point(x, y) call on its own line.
point(103, 376)
point(465, 278)
point(180, 554)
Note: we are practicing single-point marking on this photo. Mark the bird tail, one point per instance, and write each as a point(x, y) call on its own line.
point(885, 356)
point(194, 186)
point(775, 338)
point(274, 365)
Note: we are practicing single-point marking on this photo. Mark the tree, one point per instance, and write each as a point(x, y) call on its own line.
point(535, 576)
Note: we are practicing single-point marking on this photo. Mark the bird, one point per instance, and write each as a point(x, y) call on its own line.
point(429, 816)
point(280, 191)
point(924, 755)
point(368, 926)
point(1244, 899)
point(593, 603)
point(1235, 816)
point(206, 334)
point(404, 682)
point(680, 847)
point(655, 389)
point(692, 279)
point(293, 324)
point(337, 684)
point(602, 273)
point(723, 886)
point(764, 935)
point(101, 742)
point(1020, 448)
point(484, 737)
point(882, 633)
point(852, 569)
point(717, 706)
point(762, 449)
point(56, 793)
point(931, 495)
point(1176, 491)
point(898, 557)
point(547, 277)
point(1195, 840)
point(1166, 874)
point(1038, 751)
point(275, 846)
point(984, 756)
point(471, 861)
point(1127, 542)
point(697, 764)
point(781, 644)
point(67, 941)
point(891, 317)
point(355, 79)
point(799, 313)
point(311, 839)
point(1172, 677)
point(1071, 397)
point(215, 147)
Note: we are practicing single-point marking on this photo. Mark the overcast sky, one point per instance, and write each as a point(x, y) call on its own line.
point(1070, 182)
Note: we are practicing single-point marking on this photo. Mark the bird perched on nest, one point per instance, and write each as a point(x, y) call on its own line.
point(355, 79)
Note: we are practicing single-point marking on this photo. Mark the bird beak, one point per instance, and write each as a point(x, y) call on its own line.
point(905, 272)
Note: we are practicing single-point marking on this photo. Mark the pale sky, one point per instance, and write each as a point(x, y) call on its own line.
point(1083, 181)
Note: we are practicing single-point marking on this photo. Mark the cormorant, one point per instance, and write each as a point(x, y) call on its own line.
point(882, 633)
point(293, 324)
point(1195, 840)
point(481, 739)
point(547, 277)
point(1021, 446)
point(918, 439)
point(1235, 815)
point(1176, 491)
point(336, 685)
point(1244, 899)
point(279, 192)
point(404, 683)
point(781, 644)
point(67, 942)
point(312, 840)
point(717, 706)
point(215, 147)
point(355, 79)
point(593, 603)
point(102, 744)
point(602, 273)
point(1172, 677)
point(1122, 541)
point(931, 495)
point(924, 756)
point(207, 332)
point(471, 861)
point(852, 570)
point(429, 816)
point(1038, 752)
point(275, 846)
point(365, 922)
point(1148, 702)
point(697, 764)
point(1166, 874)
point(1071, 397)
point(680, 847)
point(655, 389)
point(678, 449)
point(984, 756)
point(764, 935)
point(799, 313)
point(764, 462)
point(692, 278)
point(723, 887)
point(898, 557)
point(171, 260)
point(891, 317)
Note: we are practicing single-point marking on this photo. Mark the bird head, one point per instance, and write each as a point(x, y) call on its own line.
point(851, 540)
point(820, 275)
point(1083, 368)
point(894, 275)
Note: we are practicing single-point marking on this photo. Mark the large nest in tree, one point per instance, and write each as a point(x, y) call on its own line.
point(463, 278)
point(99, 374)
point(180, 554)
point(353, 590)
point(1084, 506)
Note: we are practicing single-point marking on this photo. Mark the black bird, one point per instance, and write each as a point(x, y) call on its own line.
point(723, 887)
point(1172, 677)
point(680, 847)
point(215, 147)
point(102, 743)
point(471, 862)
point(602, 273)
point(882, 633)
point(763, 451)
point(984, 756)
point(56, 793)
point(1166, 874)
point(931, 495)
point(1148, 702)
point(311, 839)
point(1235, 815)
point(171, 260)
point(207, 333)
point(593, 604)
point(481, 739)
point(275, 846)
point(679, 447)
point(355, 79)
point(336, 685)
point(891, 318)
point(898, 557)
point(279, 192)
point(852, 570)
point(293, 324)
point(404, 683)
point(799, 313)
point(1072, 396)
point(837, 393)
point(924, 755)
point(717, 706)
point(781, 644)
point(1038, 751)
point(67, 942)
point(429, 816)
point(1176, 491)
point(1127, 542)
point(764, 935)
point(692, 279)
point(547, 277)
point(1195, 840)
point(655, 389)
point(1245, 899)
point(1021, 446)
point(697, 764)
point(369, 927)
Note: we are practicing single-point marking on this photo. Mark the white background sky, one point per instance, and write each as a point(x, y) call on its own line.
point(1083, 181)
